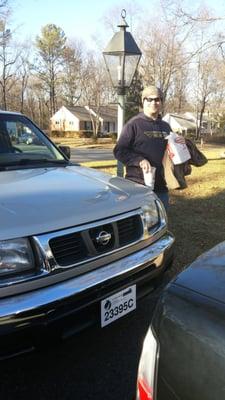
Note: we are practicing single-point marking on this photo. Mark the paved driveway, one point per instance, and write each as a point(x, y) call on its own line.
point(91, 154)
point(99, 364)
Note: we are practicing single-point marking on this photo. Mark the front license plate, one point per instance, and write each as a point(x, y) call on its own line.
point(118, 305)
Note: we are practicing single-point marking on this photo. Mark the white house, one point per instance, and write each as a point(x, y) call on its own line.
point(107, 117)
point(78, 118)
point(181, 123)
point(186, 123)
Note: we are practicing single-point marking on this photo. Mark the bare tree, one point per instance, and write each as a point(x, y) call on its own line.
point(170, 45)
point(94, 89)
point(111, 19)
point(37, 102)
point(163, 55)
point(50, 46)
point(199, 14)
point(177, 99)
point(23, 75)
point(8, 58)
point(71, 74)
point(210, 85)
point(4, 12)
point(113, 16)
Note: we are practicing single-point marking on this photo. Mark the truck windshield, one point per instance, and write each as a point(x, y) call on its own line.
point(22, 143)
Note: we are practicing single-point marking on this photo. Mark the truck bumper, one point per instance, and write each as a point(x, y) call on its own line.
point(72, 305)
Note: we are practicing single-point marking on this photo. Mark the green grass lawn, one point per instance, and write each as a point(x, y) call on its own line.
point(103, 165)
point(196, 214)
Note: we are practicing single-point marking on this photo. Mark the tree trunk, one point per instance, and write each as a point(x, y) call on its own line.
point(201, 116)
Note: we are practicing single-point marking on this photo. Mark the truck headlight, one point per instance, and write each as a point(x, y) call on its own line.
point(150, 215)
point(15, 256)
point(154, 216)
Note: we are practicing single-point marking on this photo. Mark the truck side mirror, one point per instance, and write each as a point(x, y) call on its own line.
point(66, 151)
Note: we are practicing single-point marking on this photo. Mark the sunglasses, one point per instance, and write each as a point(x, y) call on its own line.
point(150, 99)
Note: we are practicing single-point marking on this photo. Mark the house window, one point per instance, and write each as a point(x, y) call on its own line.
point(106, 126)
point(87, 125)
point(71, 122)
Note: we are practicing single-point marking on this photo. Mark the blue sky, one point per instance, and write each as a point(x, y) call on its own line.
point(79, 19)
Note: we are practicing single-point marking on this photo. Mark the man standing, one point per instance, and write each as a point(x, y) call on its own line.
point(142, 143)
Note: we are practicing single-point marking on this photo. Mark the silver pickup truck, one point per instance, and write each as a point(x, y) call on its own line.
point(77, 246)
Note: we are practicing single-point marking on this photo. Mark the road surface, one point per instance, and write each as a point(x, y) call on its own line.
point(99, 364)
point(91, 154)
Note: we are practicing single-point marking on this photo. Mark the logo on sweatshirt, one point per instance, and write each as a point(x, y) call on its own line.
point(156, 134)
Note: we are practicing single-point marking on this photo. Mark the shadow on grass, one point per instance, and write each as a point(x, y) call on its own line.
point(198, 224)
point(216, 159)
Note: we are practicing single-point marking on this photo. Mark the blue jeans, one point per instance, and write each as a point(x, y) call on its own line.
point(164, 197)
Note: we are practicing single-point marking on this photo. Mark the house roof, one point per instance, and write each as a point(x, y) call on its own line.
point(107, 113)
point(80, 112)
point(183, 121)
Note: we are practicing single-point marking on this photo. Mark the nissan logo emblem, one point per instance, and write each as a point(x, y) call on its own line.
point(103, 238)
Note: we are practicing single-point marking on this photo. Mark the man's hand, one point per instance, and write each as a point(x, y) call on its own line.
point(145, 166)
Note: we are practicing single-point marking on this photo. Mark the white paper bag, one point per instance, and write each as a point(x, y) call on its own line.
point(177, 148)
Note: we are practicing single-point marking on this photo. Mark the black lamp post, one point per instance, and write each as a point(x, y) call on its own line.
point(121, 56)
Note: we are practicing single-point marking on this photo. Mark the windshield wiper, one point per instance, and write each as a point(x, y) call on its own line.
point(40, 161)
point(30, 161)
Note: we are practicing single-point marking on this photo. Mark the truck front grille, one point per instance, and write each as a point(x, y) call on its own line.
point(68, 248)
point(129, 230)
point(87, 244)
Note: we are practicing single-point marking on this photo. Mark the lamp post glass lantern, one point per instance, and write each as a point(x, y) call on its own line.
point(122, 56)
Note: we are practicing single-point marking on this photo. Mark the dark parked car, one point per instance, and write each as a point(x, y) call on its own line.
point(183, 355)
point(77, 246)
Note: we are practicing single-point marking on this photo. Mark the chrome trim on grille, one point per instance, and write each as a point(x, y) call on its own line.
point(46, 263)
point(43, 240)
point(17, 308)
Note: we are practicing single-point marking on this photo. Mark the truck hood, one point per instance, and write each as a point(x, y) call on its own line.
point(206, 275)
point(41, 200)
